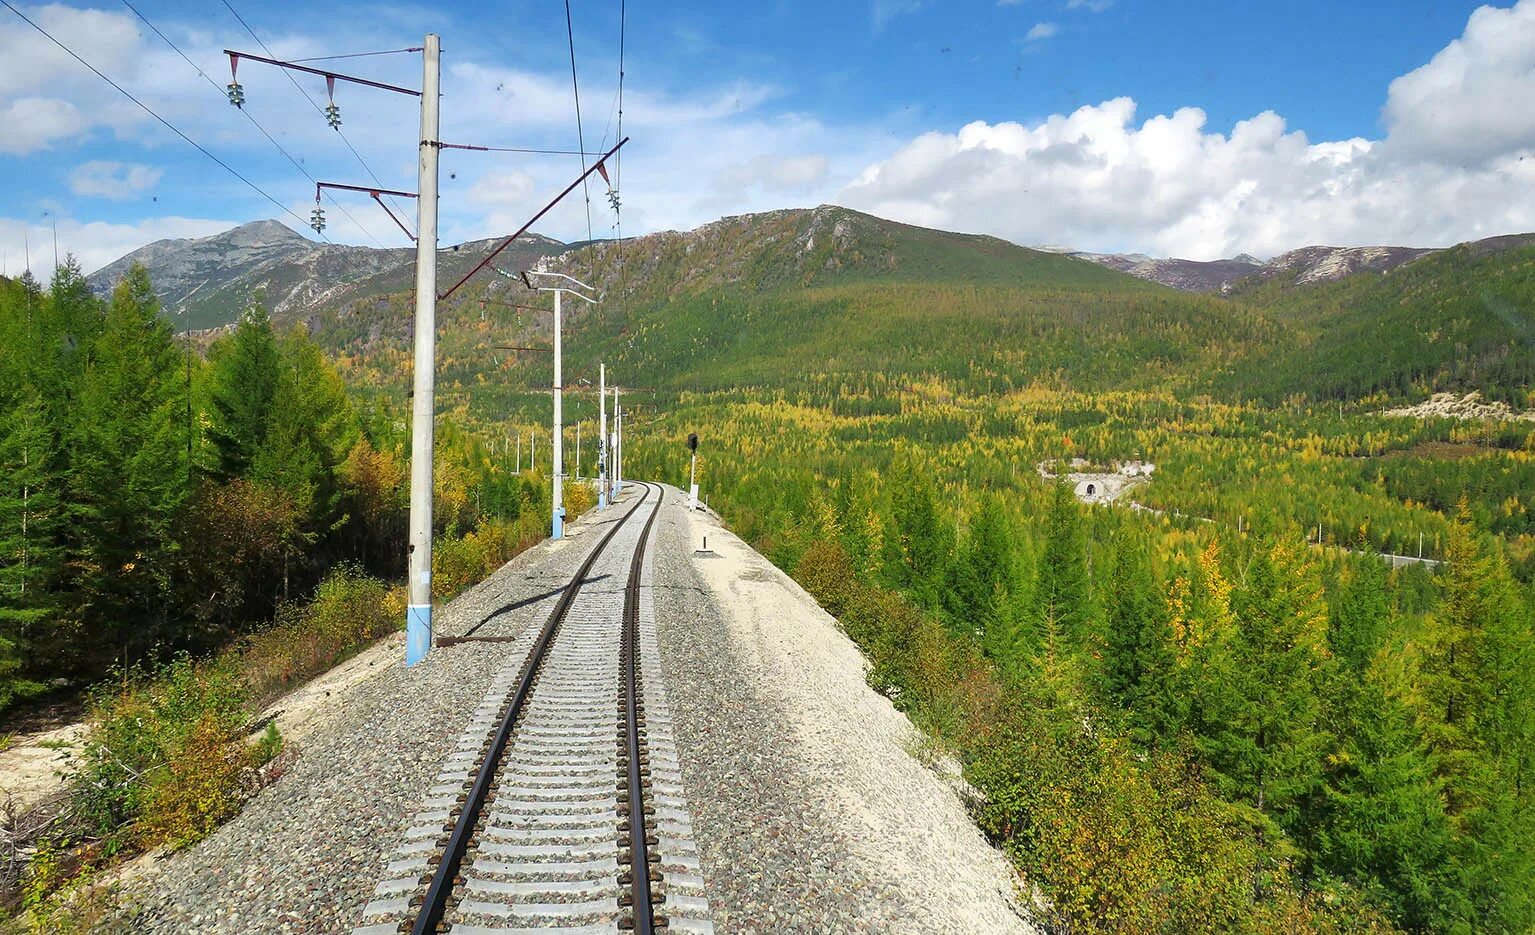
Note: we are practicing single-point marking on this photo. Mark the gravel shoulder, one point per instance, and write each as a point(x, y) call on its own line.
point(811, 812)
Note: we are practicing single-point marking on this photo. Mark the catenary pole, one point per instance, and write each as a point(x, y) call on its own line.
point(616, 472)
point(557, 465)
point(418, 616)
point(602, 436)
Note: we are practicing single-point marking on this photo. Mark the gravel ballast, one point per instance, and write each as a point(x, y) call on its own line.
point(810, 812)
point(305, 853)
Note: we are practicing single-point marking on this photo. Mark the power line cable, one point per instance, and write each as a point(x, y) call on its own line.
point(150, 111)
point(215, 85)
point(618, 164)
point(318, 109)
point(570, 33)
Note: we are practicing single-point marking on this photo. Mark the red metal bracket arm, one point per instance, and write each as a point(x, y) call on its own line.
point(235, 56)
point(531, 221)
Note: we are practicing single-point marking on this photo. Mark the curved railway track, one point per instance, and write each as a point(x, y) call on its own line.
point(562, 810)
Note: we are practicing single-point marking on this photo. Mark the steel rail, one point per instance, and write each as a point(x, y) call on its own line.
point(639, 854)
point(435, 904)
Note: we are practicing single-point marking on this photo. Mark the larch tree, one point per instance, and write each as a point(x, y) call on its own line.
point(244, 387)
point(1061, 593)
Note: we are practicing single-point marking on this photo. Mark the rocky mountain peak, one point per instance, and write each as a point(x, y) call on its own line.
point(261, 234)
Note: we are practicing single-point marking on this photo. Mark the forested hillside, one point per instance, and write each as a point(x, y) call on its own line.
point(1207, 707)
point(156, 501)
point(1460, 319)
point(1203, 719)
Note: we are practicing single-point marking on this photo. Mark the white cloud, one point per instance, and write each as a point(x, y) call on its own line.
point(775, 173)
point(1091, 6)
point(1472, 101)
point(116, 181)
point(1457, 164)
point(34, 123)
point(1042, 31)
point(34, 63)
point(93, 243)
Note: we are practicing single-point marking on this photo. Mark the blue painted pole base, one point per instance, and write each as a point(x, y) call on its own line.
point(558, 527)
point(418, 632)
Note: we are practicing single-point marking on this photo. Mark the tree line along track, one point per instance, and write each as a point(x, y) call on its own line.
point(546, 818)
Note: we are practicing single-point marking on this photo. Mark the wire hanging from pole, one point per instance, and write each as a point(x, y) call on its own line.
point(148, 110)
point(618, 163)
point(570, 34)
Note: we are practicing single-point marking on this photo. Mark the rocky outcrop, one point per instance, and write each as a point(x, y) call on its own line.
point(1300, 267)
point(1456, 406)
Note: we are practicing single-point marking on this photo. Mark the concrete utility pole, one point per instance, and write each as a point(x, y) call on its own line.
point(602, 436)
point(519, 452)
point(618, 450)
point(557, 465)
point(418, 616)
point(578, 451)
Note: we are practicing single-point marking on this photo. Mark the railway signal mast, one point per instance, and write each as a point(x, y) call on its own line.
point(693, 471)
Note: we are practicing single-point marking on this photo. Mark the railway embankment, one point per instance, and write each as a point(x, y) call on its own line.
point(813, 808)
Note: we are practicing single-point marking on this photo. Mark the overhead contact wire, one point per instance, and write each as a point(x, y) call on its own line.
point(575, 86)
point(151, 112)
point(319, 110)
point(254, 122)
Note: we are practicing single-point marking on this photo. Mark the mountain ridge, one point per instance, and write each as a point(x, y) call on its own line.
point(207, 281)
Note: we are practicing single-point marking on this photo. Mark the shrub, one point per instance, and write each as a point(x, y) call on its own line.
point(349, 611)
point(147, 726)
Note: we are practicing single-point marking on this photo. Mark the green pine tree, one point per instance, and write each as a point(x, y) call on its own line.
point(1061, 594)
point(983, 574)
point(244, 378)
point(1138, 655)
point(1478, 703)
point(1358, 622)
point(1271, 751)
point(29, 530)
point(128, 451)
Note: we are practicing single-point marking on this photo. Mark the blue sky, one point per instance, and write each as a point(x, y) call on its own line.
point(1193, 129)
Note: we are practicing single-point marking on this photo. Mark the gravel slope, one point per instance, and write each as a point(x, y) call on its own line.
point(810, 813)
point(307, 851)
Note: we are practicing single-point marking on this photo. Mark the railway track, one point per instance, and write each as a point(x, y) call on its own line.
point(562, 808)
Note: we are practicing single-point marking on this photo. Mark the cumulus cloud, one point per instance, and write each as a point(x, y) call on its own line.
point(34, 123)
point(116, 181)
point(1471, 102)
point(1455, 164)
point(1042, 31)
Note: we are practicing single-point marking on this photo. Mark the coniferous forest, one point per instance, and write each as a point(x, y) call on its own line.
point(163, 497)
